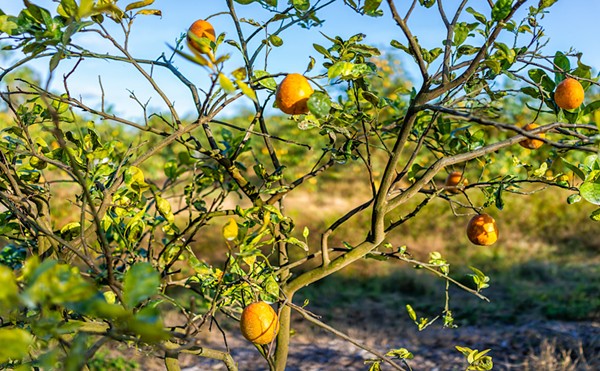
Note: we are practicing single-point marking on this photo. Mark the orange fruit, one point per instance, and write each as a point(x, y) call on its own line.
point(529, 142)
point(293, 93)
point(482, 230)
point(259, 323)
point(453, 180)
point(200, 28)
point(569, 94)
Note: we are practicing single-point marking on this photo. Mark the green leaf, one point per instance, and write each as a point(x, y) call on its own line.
point(501, 9)
point(427, 3)
point(271, 289)
point(301, 5)
point(546, 4)
point(562, 62)
point(401, 353)
point(590, 191)
point(595, 215)
point(171, 169)
point(398, 45)
point(340, 69)
point(478, 16)
point(275, 40)
point(371, 6)
point(244, 2)
point(148, 325)
point(141, 281)
point(574, 198)
point(532, 92)
point(461, 32)
point(591, 107)
point(319, 104)
point(138, 4)
point(322, 50)
point(540, 77)
point(15, 344)
point(8, 24)
point(76, 359)
point(263, 79)
point(164, 208)
point(574, 169)
point(134, 178)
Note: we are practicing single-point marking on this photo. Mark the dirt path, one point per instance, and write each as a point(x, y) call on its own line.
point(539, 346)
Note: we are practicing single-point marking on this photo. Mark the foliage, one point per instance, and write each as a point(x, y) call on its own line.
point(110, 270)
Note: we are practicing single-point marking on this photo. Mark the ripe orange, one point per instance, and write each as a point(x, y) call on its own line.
point(200, 28)
point(532, 143)
point(293, 93)
point(453, 180)
point(482, 230)
point(259, 323)
point(568, 94)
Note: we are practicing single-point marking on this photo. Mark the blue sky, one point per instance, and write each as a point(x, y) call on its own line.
point(571, 23)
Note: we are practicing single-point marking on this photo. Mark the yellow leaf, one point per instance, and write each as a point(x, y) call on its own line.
point(246, 90)
point(138, 4)
point(230, 230)
point(226, 83)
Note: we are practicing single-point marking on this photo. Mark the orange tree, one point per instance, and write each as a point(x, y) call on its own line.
point(126, 252)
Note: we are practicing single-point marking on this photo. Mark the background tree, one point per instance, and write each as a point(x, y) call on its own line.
point(125, 255)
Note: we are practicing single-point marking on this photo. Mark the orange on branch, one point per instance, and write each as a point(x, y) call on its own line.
point(530, 142)
point(200, 28)
point(569, 94)
point(293, 93)
point(259, 323)
point(482, 230)
point(454, 181)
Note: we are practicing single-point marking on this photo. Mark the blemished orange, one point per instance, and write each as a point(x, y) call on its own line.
point(293, 93)
point(451, 185)
point(200, 28)
point(569, 94)
point(482, 230)
point(259, 323)
point(529, 142)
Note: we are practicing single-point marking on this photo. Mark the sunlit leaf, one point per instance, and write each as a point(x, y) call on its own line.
point(155, 12)
point(301, 5)
point(263, 78)
point(164, 208)
point(230, 230)
point(247, 90)
point(275, 40)
point(501, 9)
point(590, 191)
point(138, 4)
point(226, 83)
